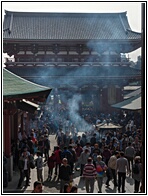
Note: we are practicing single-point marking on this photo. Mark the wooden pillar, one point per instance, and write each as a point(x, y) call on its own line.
point(7, 133)
point(22, 123)
point(104, 99)
point(7, 142)
point(119, 94)
point(15, 126)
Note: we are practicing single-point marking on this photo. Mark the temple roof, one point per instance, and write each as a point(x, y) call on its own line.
point(75, 75)
point(67, 26)
point(15, 87)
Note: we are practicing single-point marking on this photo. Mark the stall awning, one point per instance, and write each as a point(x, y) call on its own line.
point(133, 103)
point(27, 106)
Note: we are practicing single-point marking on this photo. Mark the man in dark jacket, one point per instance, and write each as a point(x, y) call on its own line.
point(24, 166)
point(46, 147)
point(64, 174)
point(73, 159)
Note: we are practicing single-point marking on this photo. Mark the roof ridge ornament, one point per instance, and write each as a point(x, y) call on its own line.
point(123, 24)
point(11, 21)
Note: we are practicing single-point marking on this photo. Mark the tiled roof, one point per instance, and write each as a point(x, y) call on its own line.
point(102, 71)
point(75, 75)
point(67, 26)
point(133, 103)
point(15, 86)
point(132, 94)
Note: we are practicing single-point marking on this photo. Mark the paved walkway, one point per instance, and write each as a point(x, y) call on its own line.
point(53, 186)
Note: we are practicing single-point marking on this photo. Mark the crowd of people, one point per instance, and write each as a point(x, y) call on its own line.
point(94, 154)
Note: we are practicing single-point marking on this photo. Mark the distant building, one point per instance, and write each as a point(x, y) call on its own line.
point(75, 53)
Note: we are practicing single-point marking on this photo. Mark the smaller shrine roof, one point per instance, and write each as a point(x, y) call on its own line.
point(108, 126)
point(133, 103)
point(132, 94)
point(15, 87)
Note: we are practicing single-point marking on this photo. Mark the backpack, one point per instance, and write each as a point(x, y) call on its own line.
point(136, 169)
point(32, 162)
point(67, 154)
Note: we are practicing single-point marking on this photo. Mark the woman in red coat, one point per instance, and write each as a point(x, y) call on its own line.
point(58, 159)
point(51, 165)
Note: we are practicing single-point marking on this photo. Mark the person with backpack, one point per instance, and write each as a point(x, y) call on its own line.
point(136, 173)
point(111, 172)
point(101, 167)
point(129, 154)
point(67, 154)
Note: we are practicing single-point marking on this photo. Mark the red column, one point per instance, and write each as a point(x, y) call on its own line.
point(7, 134)
point(16, 126)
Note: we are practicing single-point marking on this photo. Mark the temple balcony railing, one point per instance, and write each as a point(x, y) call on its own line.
point(67, 64)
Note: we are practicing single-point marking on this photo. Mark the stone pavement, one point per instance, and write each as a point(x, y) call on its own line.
point(53, 186)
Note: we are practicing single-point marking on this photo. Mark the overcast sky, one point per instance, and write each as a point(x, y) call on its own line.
point(133, 11)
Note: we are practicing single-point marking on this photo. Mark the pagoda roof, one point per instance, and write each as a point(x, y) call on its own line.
point(15, 87)
point(41, 26)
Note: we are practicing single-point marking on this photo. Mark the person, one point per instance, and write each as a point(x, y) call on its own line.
point(39, 166)
point(4, 163)
point(24, 166)
point(31, 145)
point(83, 159)
point(5, 173)
point(89, 173)
point(74, 189)
point(136, 173)
point(58, 158)
point(37, 187)
point(73, 158)
point(46, 147)
point(121, 167)
point(78, 150)
point(112, 169)
point(51, 165)
point(93, 140)
point(41, 145)
point(87, 146)
point(101, 167)
point(67, 154)
point(64, 174)
point(129, 154)
point(67, 188)
point(58, 136)
point(137, 146)
point(106, 155)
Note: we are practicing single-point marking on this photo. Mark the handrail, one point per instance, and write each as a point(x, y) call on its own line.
point(65, 64)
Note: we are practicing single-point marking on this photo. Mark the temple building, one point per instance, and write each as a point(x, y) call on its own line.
point(74, 53)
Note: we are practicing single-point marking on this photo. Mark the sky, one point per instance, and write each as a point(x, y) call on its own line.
point(133, 11)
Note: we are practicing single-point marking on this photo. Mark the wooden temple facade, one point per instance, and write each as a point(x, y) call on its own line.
point(74, 53)
point(20, 98)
